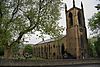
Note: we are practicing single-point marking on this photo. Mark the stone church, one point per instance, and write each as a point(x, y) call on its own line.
point(71, 46)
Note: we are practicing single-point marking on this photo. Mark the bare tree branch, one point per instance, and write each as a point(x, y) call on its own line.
point(14, 12)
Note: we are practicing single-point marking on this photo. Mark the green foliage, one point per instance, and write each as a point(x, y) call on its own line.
point(94, 23)
point(94, 47)
point(91, 47)
point(28, 49)
point(98, 5)
point(16, 48)
point(97, 46)
point(19, 17)
point(1, 50)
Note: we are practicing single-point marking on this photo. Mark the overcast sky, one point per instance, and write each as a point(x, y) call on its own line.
point(89, 10)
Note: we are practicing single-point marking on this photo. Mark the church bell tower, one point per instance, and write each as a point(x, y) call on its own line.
point(76, 31)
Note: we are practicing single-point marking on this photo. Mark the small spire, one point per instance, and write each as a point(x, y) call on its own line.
point(73, 3)
point(81, 5)
point(65, 6)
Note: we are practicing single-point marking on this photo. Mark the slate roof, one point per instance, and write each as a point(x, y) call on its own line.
point(49, 40)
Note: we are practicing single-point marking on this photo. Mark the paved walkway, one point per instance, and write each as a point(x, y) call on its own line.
point(48, 62)
point(80, 65)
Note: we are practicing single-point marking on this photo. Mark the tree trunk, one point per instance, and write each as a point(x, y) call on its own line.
point(7, 52)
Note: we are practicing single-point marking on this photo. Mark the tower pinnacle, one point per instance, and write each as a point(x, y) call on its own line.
point(73, 3)
point(65, 7)
point(81, 5)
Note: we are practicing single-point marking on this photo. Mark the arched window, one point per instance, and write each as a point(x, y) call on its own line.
point(54, 54)
point(79, 18)
point(71, 19)
point(53, 46)
point(82, 43)
point(49, 50)
point(41, 51)
point(62, 49)
point(44, 49)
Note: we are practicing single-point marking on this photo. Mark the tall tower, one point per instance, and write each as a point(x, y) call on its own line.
point(76, 32)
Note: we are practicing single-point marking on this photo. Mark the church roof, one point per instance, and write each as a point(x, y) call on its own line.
point(50, 40)
point(45, 41)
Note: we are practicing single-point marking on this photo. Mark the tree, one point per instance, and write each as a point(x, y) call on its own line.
point(28, 50)
point(97, 46)
point(1, 50)
point(91, 47)
point(20, 17)
point(98, 6)
point(94, 23)
point(16, 49)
